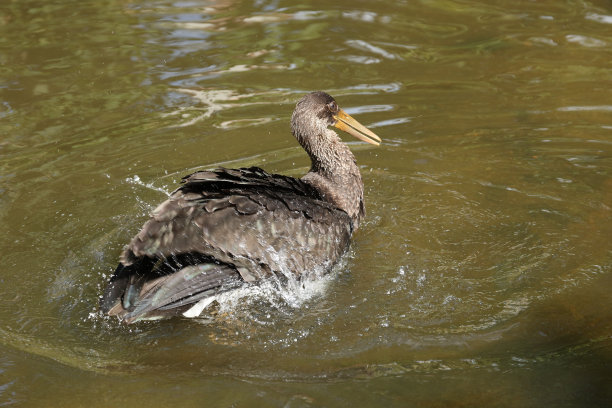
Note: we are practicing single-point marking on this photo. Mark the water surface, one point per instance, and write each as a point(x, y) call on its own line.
point(480, 277)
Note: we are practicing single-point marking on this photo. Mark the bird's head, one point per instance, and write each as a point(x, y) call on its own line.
point(317, 111)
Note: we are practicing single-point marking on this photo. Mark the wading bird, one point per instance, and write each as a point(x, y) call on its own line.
point(227, 227)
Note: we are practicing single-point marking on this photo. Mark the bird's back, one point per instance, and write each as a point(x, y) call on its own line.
point(218, 230)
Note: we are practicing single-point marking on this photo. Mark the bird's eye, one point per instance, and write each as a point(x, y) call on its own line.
point(332, 107)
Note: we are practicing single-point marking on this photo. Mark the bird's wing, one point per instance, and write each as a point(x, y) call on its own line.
point(258, 222)
point(219, 229)
point(143, 296)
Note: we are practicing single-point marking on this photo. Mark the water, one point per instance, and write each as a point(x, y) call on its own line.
point(480, 277)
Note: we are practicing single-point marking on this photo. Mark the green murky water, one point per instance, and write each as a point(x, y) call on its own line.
point(481, 276)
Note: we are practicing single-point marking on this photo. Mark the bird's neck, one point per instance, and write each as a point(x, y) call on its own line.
point(335, 175)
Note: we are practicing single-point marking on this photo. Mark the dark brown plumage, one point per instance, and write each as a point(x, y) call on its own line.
point(225, 227)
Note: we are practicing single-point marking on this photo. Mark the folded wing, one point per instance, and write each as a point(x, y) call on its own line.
point(220, 229)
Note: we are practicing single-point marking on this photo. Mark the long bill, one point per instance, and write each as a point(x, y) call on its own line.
point(345, 122)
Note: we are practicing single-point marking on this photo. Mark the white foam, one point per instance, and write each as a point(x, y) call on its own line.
point(283, 297)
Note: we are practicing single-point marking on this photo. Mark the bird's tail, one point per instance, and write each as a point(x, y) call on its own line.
point(133, 295)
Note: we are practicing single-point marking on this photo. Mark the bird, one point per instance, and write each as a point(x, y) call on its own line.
point(225, 228)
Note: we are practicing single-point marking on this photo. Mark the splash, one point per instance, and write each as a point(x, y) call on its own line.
point(262, 303)
point(135, 180)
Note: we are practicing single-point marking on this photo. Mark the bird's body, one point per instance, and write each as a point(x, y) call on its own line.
point(226, 227)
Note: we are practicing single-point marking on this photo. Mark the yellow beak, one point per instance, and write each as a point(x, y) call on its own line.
point(346, 123)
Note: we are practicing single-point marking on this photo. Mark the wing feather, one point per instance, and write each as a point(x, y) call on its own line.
point(241, 224)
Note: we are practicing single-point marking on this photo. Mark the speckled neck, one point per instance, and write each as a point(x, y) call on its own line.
point(334, 172)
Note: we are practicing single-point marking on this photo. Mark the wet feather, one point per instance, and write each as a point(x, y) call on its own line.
point(226, 227)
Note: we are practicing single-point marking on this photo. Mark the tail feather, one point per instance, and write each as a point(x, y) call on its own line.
point(133, 296)
point(183, 288)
